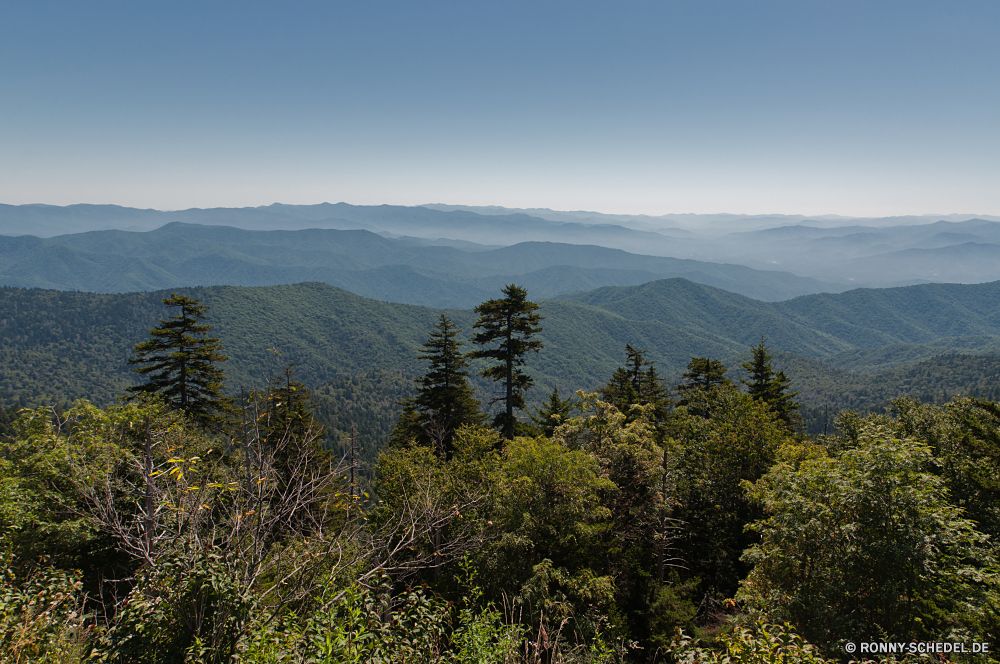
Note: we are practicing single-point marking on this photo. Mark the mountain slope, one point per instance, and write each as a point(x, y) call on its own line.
point(819, 325)
point(78, 343)
point(363, 262)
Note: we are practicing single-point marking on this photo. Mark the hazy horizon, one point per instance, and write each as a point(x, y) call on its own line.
point(852, 108)
point(528, 210)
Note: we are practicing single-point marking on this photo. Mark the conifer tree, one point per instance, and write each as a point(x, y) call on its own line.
point(289, 431)
point(510, 322)
point(771, 387)
point(288, 412)
point(180, 363)
point(444, 401)
point(619, 390)
point(703, 374)
point(554, 411)
point(638, 382)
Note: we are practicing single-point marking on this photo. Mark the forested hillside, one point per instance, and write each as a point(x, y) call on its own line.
point(819, 325)
point(60, 346)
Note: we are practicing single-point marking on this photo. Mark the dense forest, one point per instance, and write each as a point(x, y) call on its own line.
point(855, 350)
point(661, 517)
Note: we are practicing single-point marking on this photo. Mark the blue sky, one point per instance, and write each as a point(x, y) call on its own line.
point(844, 107)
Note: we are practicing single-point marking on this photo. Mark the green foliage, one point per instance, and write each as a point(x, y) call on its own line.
point(638, 383)
point(445, 501)
point(188, 608)
point(771, 387)
point(591, 543)
point(180, 363)
point(56, 347)
point(7, 418)
point(368, 404)
point(510, 323)
point(964, 436)
point(826, 391)
point(757, 644)
point(42, 510)
point(483, 634)
point(703, 377)
point(353, 631)
point(553, 412)
point(703, 373)
point(42, 619)
point(865, 544)
point(444, 401)
point(548, 509)
point(285, 424)
point(383, 625)
point(709, 461)
point(288, 410)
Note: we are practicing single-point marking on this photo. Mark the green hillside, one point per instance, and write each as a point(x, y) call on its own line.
point(826, 390)
point(66, 345)
point(360, 354)
point(821, 325)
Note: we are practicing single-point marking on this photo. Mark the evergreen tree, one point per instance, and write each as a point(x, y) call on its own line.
point(444, 401)
point(180, 363)
point(289, 411)
point(289, 432)
point(703, 375)
point(771, 387)
point(553, 412)
point(511, 322)
point(619, 391)
point(638, 382)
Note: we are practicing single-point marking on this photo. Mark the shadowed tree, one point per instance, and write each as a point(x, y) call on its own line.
point(703, 374)
point(771, 387)
point(444, 401)
point(286, 424)
point(554, 411)
point(510, 323)
point(180, 363)
point(638, 382)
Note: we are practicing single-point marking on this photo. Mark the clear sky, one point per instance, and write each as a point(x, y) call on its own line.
point(843, 107)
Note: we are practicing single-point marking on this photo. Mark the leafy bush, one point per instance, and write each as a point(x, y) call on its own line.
point(41, 616)
point(759, 643)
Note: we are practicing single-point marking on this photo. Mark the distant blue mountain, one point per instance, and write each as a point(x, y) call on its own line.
point(360, 261)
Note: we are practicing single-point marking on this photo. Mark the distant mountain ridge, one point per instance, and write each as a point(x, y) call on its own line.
point(848, 252)
point(363, 262)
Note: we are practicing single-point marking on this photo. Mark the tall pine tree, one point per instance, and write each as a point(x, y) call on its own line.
point(638, 382)
point(510, 323)
point(771, 387)
point(180, 363)
point(703, 374)
point(444, 401)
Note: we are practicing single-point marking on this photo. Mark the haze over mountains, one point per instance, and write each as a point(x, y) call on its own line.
point(410, 271)
point(677, 286)
point(822, 254)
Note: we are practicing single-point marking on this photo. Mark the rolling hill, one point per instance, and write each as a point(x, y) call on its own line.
point(855, 349)
point(363, 262)
point(840, 252)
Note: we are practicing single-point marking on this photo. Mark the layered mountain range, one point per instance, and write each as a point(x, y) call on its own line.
point(412, 271)
point(450, 256)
